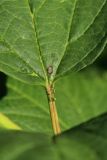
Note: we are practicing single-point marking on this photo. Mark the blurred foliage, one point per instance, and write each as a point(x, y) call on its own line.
point(101, 62)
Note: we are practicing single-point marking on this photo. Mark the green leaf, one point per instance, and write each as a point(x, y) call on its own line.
point(27, 107)
point(22, 145)
point(35, 35)
point(87, 141)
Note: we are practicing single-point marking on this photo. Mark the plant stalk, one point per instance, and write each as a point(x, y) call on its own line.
point(53, 110)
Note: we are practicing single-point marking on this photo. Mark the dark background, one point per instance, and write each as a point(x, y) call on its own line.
point(3, 90)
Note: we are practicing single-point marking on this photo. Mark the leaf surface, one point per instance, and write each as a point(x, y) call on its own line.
point(27, 106)
point(81, 142)
point(61, 34)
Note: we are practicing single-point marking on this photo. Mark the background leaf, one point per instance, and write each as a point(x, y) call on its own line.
point(22, 145)
point(85, 141)
point(27, 106)
point(81, 142)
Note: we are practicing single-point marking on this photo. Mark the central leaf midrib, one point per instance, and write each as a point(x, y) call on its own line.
point(36, 37)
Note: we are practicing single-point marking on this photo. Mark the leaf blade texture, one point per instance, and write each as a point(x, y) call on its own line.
point(35, 35)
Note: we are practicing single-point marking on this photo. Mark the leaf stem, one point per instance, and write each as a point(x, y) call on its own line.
point(53, 111)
